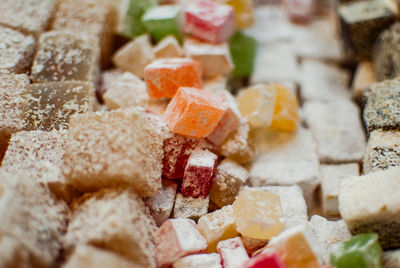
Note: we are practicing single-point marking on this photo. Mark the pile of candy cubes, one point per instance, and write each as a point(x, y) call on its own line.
point(200, 133)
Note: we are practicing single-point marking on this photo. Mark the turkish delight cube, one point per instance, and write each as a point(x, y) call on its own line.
point(267, 258)
point(190, 207)
point(286, 116)
point(300, 11)
point(168, 48)
point(391, 258)
point(199, 261)
point(122, 146)
point(177, 238)
point(243, 52)
point(63, 56)
point(232, 252)
point(50, 105)
point(244, 13)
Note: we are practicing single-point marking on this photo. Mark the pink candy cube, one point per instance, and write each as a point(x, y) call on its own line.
point(177, 238)
point(299, 11)
point(233, 254)
point(197, 179)
point(177, 149)
point(210, 21)
point(267, 258)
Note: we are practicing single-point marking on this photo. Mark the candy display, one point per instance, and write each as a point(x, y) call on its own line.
point(199, 134)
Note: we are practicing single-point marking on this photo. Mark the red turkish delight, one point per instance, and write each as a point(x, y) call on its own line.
point(267, 258)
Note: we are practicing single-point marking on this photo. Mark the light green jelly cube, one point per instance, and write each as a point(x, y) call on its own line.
point(243, 52)
point(132, 19)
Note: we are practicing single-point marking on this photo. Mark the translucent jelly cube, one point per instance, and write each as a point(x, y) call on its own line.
point(216, 226)
point(90, 18)
point(165, 76)
point(286, 116)
point(50, 105)
point(297, 247)
point(243, 9)
point(267, 258)
point(360, 251)
point(161, 21)
point(199, 261)
point(215, 58)
point(177, 149)
point(134, 56)
point(190, 207)
point(123, 89)
point(228, 180)
point(258, 214)
point(257, 104)
point(168, 48)
point(177, 238)
point(209, 21)
point(243, 52)
point(198, 175)
point(16, 51)
point(193, 112)
point(63, 56)
point(233, 254)
point(161, 204)
point(300, 11)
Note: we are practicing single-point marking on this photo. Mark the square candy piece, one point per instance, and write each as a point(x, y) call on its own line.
point(134, 55)
point(165, 76)
point(243, 52)
point(215, 58)
point(199, 261)
point(123, 146)
point(286, 115)
point(232, 252)
point(198, 175)
point(168, 48)
point(177, 238)
point(193, 112)
point(63, 56)
point(243, 11)
point(209, 21)
point(190, 207)
point(50, 105)
point(16, 51)
point(267, 258)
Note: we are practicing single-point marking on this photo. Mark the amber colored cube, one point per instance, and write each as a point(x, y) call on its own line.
point(193, 112)
point(165, 76)
point(286, 116)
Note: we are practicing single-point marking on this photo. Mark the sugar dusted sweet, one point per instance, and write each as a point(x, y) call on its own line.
point(267, 258)
point(232, 252)
point(286, 116)
point(168, 48)
point(199, 261)
point(63, 56)
point(50, 105)
point(177, 238)
point(190, 207)
point(300, 11)
point(120, 146)
point(243, 50)
point(165, 76)
point(243, 9)
point(134, 56)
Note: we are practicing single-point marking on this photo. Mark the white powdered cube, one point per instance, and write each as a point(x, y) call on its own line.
point(287, 159)
point(168, 48)
point(135, 55)
point(391, 259)
point(371, 203)
point(329, 234)
point(190, 207)
point(212, 260)
point(331, 176)
point(214, 58)
point(337, 128)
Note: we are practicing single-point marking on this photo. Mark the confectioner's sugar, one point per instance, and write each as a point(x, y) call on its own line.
point(188, 236)
point(202, 158)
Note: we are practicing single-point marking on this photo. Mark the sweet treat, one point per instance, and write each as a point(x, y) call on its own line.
point(267, 258)
point(391, 259)
point(199, 261)
point(97, 155)
point(190, 207)
point(177, 238)
point(286, 117)
point(243, 52)
point(300, 11)
point(243, 9)
point(364, 77)
point(161, 21)
point(134, 55)
point(232, 252)
point(168, 48)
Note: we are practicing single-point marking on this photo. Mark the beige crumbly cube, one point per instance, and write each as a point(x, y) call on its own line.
point(31, 16)
point(32, 216)
point(97, 19)
point(115, 219)
point(91, 257)
point(212, 260)
point(64, 56)
point(50, 105)
point(162, 203)
point(134, 56)
point(40, 153)
point(16, 51)
point(123, 146)
point(168, 48)
point(370, 203)
point(123, 89)
point(383, 151)
point(12, 87)
point(216, 226)
point(363, 78)
point(337, 128)
point(214, 58)
point(12, 253)
point(329, 234)
point(286, 159)
point(190, 207)
point(391, 259)
point(228, 180)
point(324, 82)
point(331, 176)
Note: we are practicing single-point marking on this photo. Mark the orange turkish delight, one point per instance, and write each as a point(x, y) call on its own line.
point(193, 112)
point(165, 76)
point(286, 116)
